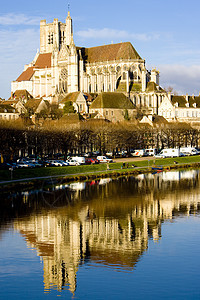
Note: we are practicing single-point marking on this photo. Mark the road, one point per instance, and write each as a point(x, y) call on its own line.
point(131, 159)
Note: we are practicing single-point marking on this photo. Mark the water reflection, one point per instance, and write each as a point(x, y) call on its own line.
point(107, 222)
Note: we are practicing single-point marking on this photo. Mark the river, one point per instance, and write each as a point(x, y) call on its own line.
point(134, 237)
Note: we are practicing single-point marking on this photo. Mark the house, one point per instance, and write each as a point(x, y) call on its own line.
point(8, 113)
point(113, 106)
point(180, 108)
point(17, 104)
point(153, 121)
point(35, 106)
point(22, 95)
point(78, 100)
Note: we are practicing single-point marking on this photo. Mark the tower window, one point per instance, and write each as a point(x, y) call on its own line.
point(50, 38)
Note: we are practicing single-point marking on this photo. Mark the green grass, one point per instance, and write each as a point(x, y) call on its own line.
point(101, 168)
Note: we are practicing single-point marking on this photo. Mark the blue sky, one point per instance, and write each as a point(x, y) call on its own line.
point(165, 34)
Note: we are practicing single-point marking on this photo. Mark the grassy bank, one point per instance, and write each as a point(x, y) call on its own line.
point(101, 169)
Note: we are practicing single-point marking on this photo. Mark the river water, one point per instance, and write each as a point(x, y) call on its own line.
point(127, 238)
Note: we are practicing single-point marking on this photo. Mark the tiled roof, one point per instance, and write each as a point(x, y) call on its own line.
point(7, 109)
point(112, 100)
point(10, 102)
point(159, 120)
point(43, 61)
point(180, 100)
point(33, 103)
point(26, 75)
point(111, 52)
point(194, 100)
point(70, 97)
point(22, 94)
point(153, 87)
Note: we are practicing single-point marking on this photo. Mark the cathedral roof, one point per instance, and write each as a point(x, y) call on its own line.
point(153, 87)
point(43, 61)
point(112, 100)
point(26, 75)
point(111, 52)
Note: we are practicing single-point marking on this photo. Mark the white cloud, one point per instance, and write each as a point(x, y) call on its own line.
point(15, 44)
point(107, 33)
point(17, 48)
point(184, 79)
point(18, 19)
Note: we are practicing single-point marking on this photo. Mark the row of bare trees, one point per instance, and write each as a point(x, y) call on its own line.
point(16, 139)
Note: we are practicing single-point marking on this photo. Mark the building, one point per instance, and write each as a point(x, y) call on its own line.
point(8, 113)
point(61, 70)
point(60, 67)
point(180, 108)
point(113, 106)
point(78, 101)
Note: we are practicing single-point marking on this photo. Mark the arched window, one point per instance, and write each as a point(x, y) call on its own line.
point(124, 76)
point(63, 80)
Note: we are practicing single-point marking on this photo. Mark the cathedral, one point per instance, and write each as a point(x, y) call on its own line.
point(61, 67)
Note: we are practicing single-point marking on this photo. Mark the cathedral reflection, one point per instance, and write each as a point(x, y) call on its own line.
point(105, 222)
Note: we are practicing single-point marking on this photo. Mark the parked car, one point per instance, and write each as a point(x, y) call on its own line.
point(23, 165)
point(169, 152)
point(104, 159)
point(110, 154)
point(91, 161)
point(139, 153)
point(55, 163)
point(72, 162)
point(79, 159)
point(122, 153)
point(64, 163)
point(94, 160)
point(151, 152)
point(189, 151)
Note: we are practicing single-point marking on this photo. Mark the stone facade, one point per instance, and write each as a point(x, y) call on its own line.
point(78, 100)
point(180, 108)
point(113, 107)
point(60, 67)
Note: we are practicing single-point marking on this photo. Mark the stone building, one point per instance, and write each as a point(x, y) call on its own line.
point(113, 106)
point(180, 108)
point(78, 100)
point(8, 112)
point(60, 68)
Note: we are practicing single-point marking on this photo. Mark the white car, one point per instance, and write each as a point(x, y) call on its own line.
point(104, 159)
point(63, 163)
point(23, 165)
point(109, 153)
point(55, 163)
point(72, 162)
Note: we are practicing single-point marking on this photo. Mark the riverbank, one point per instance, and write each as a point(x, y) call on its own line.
point(121, 167)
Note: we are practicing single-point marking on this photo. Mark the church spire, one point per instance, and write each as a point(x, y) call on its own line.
point(69, 30)
point(68, 15)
